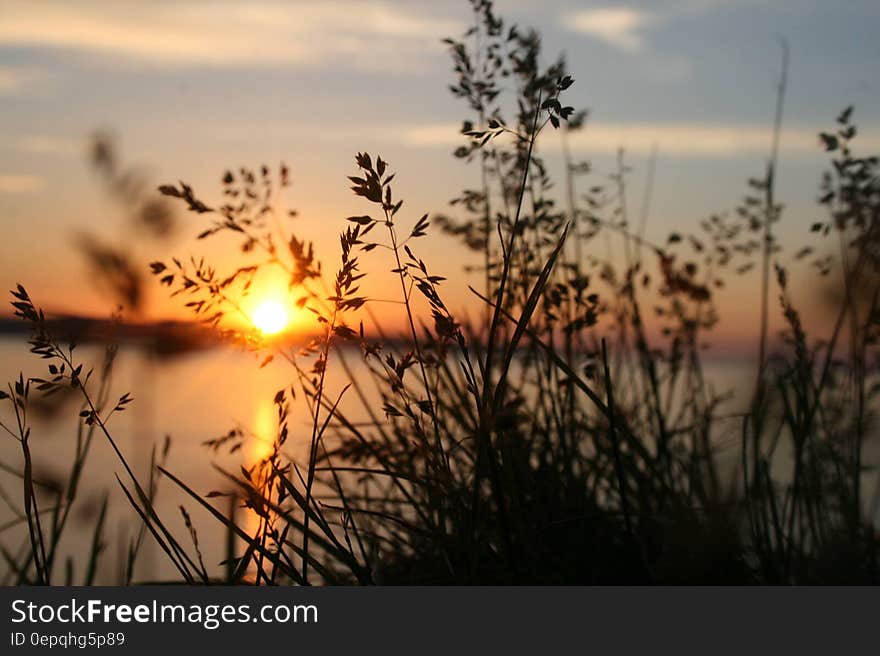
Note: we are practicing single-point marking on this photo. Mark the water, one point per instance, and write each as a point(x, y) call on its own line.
point(191, 398)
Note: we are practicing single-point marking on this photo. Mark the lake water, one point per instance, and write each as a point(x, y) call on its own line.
point(192, 398)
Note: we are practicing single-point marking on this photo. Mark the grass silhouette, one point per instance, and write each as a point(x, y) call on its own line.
point(555, 437)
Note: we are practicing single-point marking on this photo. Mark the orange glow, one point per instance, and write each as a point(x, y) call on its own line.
point(270, 317)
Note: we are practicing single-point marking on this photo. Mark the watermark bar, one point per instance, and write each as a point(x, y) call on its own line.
point(237, 620)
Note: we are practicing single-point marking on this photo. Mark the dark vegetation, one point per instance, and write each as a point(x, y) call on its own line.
point(555, 438)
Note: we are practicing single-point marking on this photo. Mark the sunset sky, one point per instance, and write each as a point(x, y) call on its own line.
point(191, 88)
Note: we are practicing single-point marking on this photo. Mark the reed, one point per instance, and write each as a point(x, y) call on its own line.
point(570, 432)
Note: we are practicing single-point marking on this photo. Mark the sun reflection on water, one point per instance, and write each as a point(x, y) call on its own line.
point(259, 449)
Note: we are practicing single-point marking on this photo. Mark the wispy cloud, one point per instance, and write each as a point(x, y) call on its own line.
point(620, 27)
point(13, 80)
point(702, 140)
point(673, 139)
point(45, 144)
point(227, 33)
point(20, 183)
point(10, 80)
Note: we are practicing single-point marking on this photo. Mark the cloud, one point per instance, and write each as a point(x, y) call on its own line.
point(44, 144)
point(616, 26)
point(20, 183)
point(715, 140)
point(227, 33)
point(698, 140)
point(13, 80)
point(10, 81)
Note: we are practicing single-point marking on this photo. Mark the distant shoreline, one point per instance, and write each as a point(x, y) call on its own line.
point(171, 337)
point(163, 337)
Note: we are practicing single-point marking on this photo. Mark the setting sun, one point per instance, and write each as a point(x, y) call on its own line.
point(270, 317)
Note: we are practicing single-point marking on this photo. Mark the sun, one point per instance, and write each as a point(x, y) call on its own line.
point(270, 317)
